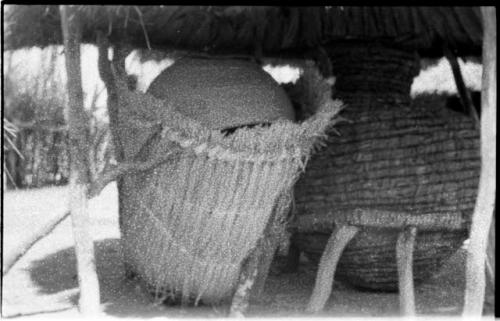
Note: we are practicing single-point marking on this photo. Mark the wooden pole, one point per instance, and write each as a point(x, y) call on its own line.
point(274, 229)
point(255, 269)
point(337, 242)
point(463, 92)
point(248, 276)
point(14, 255)
point(89, 302)
point(107, 176)
point(490, 266)
point(485, 203)
point(404, 257)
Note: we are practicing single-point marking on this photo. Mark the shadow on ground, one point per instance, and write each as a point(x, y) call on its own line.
point(119, 296)
point(284, 295)
point(56, 273)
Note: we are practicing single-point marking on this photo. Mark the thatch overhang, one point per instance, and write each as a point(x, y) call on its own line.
point(276, 31)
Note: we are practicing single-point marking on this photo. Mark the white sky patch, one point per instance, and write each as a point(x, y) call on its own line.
point(283, 74)
point(439, 78)
point(147, 71)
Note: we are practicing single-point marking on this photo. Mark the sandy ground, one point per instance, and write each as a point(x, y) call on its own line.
point(45, 278)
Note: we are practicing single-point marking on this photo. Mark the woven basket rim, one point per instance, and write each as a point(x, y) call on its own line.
point(281, 140)
point(379, 218)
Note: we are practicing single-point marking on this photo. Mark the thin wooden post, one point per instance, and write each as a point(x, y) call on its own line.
point(404, 258)
point(89, 302)
point(340, 237)
point(248, 276)
point(485, 203)
point(14, 255)
point(269, 246)
point(274, 230)
point(490, 266)
point(463, 92)
point(254, 271)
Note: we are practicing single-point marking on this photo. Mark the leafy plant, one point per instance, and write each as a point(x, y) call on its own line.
point(9, 136)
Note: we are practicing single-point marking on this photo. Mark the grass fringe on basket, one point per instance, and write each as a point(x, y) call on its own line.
point(197, 218)
point(272, 142)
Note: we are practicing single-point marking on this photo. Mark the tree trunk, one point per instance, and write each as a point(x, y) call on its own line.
point(79, 166)
point(485, 203)
point(104, 67)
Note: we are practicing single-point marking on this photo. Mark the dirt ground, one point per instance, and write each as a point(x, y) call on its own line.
point(45, 279)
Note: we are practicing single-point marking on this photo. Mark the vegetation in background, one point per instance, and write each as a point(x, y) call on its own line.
point(9, 135)
point(35, 99)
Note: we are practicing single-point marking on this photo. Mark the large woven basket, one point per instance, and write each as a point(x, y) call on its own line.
point(420, 163)
point(189, 223)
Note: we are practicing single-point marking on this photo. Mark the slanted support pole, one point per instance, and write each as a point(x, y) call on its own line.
point(248, 276)
point(272, 235)
point(255, 269)
point(404, 258)
point(485, 202)
point(269, 246)
point(463, 92)
point(89, 302)
point(340, 237)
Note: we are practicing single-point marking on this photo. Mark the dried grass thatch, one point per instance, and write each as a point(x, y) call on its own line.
point(190, 223)
point(245, 30)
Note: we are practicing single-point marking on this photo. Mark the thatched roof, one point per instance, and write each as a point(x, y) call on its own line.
point(240, 30)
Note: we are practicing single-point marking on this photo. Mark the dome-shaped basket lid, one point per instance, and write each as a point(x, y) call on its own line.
point(222, 93)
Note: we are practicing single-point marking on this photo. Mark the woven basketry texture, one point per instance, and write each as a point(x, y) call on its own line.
point(395, 165)
point(222, 93)
point(412, 160)
point(370, 259)
point(190, 222)
point(429, 176)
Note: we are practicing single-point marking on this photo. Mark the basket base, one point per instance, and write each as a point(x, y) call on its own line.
point(161, 295)
point(369, 260)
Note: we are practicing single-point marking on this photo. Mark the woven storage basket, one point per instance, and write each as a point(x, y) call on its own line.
point(429, 175)
point(395, 165)
point(189, 223)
